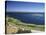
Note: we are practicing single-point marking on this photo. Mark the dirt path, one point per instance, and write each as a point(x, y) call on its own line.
point(36, 31)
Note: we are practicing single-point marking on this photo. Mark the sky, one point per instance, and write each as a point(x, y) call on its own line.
point(17, 6)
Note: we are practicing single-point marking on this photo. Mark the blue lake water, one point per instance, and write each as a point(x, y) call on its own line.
point(34, 18)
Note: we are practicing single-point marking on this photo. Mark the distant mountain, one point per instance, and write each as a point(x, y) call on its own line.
point(27, 12)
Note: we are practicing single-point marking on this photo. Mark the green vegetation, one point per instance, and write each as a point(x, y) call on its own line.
point(19, 24)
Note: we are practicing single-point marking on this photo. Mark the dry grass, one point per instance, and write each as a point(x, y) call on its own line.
point(15, 26)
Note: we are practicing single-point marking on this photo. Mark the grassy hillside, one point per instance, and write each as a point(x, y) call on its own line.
point(21, 25)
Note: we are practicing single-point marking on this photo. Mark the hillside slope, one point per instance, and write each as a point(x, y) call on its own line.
point(16, 26)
